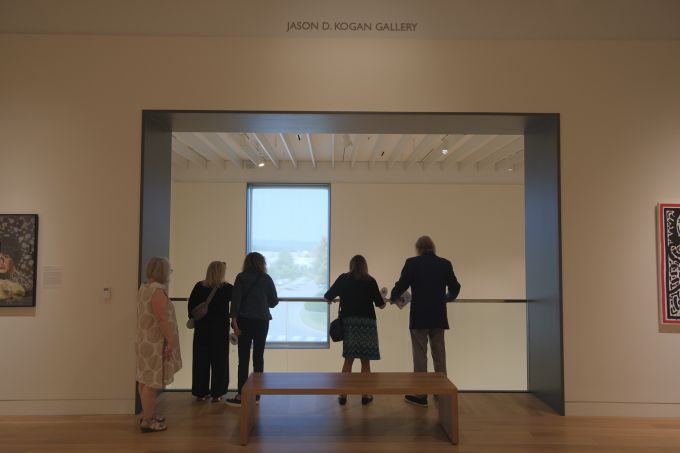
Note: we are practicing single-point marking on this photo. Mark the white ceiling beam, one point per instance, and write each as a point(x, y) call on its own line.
point(332, 150)
point(286, 146)
point(433, 154)
point(398, 150)
point(250, 143)
point(356, 145)
point(510, 161)
point(267, 148)
point(517, 157)
point(193, 142)
point(238, 143)
point(214, 142)
point(376, 150)
point(456, 150)
point(436, 153)
point(424, 144)
point(308, 138)
point(179, 160)
point(188, 153)
point(511, 147)
point(476, 153)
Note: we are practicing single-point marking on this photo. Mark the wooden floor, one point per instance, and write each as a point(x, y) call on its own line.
point(489, 423)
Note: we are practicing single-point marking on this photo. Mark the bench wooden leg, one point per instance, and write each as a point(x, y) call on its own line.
point(247, 414)
point(448, 415)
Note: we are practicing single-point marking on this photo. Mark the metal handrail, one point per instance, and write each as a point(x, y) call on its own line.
point(321, 299)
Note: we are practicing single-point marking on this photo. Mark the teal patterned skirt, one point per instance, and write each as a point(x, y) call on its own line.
point(360, 338)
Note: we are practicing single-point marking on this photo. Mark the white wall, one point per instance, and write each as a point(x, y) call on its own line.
point(70, 118)
point(486, 349)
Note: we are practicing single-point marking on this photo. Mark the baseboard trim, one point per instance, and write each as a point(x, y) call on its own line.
point(622, 409)
point(67, 407)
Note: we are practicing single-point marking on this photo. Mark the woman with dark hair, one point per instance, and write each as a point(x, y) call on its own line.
point(253, 295)
point(358, 292)
point(210, 365)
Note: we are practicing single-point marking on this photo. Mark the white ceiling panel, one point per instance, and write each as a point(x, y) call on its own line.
point(484, 159)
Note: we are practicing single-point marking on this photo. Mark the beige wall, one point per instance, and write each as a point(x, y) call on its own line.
point(486, 350)
point(207, 223)
point(70, 118)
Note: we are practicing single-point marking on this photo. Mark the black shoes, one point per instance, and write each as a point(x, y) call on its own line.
point(365, 399)
point(416, 400)
point(233, 402)
point(236, 401)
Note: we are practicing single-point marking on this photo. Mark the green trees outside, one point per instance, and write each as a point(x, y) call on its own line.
point(285, 267)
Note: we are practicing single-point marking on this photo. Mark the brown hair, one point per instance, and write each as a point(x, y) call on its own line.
point(214, 276)
point(358, 268)
point(425, 244)
point(254, 262)
point(158, 269)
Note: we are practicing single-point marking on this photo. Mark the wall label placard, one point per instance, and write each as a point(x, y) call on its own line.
point(350, 26)
point(53, 277)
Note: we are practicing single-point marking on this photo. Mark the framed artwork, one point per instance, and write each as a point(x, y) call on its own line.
point(669, 263)
point(18, 259)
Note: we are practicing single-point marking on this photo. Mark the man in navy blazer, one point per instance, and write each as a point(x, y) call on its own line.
point(433, 283)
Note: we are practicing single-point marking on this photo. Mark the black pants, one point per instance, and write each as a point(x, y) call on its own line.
point(253, 333)
point(210, 367)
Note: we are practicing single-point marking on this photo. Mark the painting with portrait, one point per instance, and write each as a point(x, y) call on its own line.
point(18, 259)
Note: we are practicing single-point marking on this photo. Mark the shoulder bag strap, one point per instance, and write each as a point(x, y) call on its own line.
point(212, 294)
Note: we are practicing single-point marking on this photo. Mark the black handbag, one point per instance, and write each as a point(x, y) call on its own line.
point(335, 330)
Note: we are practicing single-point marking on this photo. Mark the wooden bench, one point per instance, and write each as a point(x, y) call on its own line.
point(351, 384)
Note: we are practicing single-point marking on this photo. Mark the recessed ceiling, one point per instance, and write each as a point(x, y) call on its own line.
point(452, 158)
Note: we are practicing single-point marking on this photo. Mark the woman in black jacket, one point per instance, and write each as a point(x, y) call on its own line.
point(254, 294)
point(210, 368)
point(358, 292)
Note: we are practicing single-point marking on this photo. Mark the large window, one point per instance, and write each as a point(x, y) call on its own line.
point(289, 225)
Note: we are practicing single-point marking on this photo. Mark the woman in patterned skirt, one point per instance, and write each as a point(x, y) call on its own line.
point(358, 292)
point(158, 357)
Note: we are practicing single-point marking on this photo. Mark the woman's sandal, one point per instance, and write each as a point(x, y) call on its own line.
point(158, 418)
point(366, 399)
point(342, 400)
point(152, 426)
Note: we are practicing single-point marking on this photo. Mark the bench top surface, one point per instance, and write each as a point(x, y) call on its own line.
point(357, 383)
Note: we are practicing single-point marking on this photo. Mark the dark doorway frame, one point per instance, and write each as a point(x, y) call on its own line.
point(541, 132)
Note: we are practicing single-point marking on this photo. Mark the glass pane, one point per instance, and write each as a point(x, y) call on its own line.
point(289, 226)
point(299, 322)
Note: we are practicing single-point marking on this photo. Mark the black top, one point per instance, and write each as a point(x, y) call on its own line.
point(356, 296)
point(254, 294)
point(428, 276)
point(218, 311)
